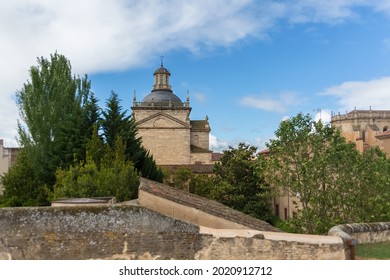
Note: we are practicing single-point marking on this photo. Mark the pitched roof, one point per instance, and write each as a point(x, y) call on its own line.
point(383, 135)
point(203, 204)
point(264, 152)
point(216, 156)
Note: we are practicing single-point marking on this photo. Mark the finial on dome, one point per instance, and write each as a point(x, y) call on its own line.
point(162, 60)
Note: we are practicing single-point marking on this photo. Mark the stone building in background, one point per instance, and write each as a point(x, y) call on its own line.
point(7, 159)
point(164, 124)
point(365, 128)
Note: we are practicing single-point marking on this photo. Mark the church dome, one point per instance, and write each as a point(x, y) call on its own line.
point(161, 70)
point(161, 96)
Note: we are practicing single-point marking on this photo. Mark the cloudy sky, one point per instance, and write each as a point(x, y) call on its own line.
point(246, 64)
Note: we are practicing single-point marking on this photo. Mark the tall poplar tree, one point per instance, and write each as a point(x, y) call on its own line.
point(52, 105)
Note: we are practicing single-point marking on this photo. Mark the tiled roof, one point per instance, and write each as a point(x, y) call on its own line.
point(383, 135)
point(203, 204)
point(264, 152)
point(216, 156)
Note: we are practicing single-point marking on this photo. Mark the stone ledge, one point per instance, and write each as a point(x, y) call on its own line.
point(346, 230)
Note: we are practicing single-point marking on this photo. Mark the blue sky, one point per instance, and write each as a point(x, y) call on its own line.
point(246, 64)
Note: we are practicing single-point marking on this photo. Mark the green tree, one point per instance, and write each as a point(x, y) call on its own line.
point(23, 186)
point(114, 119)
point(115, 124)
point(52, 131)
point(202, 185)
point(373, 186)
point(93, 119)
point(239, 182)
point(179, 178)
point(111, 176)
point(327, 175)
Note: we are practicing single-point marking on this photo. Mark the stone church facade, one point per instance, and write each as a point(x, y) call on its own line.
point(164, 124)
point(365, 128)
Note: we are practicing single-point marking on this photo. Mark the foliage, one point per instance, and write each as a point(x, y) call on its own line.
point(374, 186)
point(54, 112)
point(23, 187)
point(239, 182)
point(113, 120)
point(59, 115)
point(110, 175)
point(180, 178)
point(284, 225)
point(202, 185)
point(333, 183)
point(115, 124)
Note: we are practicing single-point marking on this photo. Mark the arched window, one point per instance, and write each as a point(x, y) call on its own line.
point(364, 136)
point(386, 128)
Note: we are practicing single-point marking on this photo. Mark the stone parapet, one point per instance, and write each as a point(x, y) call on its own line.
point(364, 232)
point(362, 114)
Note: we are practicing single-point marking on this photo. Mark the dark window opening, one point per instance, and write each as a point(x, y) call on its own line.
point(277, 210)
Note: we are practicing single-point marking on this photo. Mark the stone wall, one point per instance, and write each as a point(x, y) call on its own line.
point(95, 232)
point(201, 158)
point(168, 146)
point(200, 139)
point(253, 245)
point(131, 232)
point(364, 233)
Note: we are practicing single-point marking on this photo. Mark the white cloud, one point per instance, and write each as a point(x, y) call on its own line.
point(217, 145)
point(279, 104)
point(324, 115)
point(99, 35)
point(259, 143)
point(326, 11)
point(9, 115)
point(361, 94)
